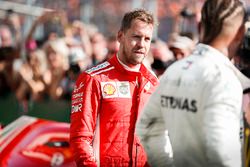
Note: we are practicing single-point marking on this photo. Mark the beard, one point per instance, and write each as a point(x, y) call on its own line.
point(131, 57)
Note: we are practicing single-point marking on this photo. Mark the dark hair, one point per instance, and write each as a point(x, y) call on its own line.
point(214, 14)
point(140, 14)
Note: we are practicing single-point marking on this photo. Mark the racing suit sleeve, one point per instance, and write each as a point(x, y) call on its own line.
point(85, 104)
point(153, 134)
point(222, 101)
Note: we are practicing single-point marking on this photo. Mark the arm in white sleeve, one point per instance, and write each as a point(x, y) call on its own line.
point(153, 134)
point(222, 107)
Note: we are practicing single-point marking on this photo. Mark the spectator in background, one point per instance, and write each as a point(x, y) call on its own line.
point(163, 57)
point(6, 38)
point(57, 57)
point(51, 32)
point(77, 57)
point(108, 98)
point(8, 54)
point(112, 46)
point(78, 62)
point(73, 10)
point(198, 102)
point(99, 48)
point(82, 35)
point(181, 46)
point(8, 79)
point(54, 23)
point(32, 85)
point(14, 22)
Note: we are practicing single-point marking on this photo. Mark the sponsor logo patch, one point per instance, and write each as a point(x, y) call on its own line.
point(98, 67)
point(116, 89)
point(180, 103)
point(79, 100)
point(124, 89)
point(76, 108)
point(77, 88)
point(77, 95)
point(109, 89)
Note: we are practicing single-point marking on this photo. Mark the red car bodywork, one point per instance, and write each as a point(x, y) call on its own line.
point(35, 142)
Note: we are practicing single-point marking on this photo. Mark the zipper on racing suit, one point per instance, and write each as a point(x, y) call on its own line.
point(138, 85)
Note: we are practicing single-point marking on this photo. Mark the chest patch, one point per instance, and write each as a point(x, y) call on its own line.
point(116, 89)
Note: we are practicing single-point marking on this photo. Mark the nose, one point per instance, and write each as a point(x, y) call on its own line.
point(141, 42)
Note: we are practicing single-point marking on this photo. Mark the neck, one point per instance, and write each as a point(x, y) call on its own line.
point(220, 46)
point(128, 67)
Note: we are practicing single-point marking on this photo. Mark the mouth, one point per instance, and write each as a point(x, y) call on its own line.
point(139, 52)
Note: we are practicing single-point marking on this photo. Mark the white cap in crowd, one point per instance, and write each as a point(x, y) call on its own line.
point(181, 42)
point(76, 54)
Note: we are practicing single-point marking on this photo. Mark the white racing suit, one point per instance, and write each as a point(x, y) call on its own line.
point(198, 105)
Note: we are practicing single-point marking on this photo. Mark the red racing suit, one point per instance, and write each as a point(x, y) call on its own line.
point(106, 102)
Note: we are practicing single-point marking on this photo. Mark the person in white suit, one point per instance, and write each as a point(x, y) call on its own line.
point(197, 106)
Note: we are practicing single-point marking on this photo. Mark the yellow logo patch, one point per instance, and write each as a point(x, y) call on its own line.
point(115, 89)
point(109, 89)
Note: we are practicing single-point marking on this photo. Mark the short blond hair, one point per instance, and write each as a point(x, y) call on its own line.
point(140, 14)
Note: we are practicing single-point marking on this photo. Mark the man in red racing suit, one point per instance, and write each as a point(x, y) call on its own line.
point(112, 96)
point(107, 101)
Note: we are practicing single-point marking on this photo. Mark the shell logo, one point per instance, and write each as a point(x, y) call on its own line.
point(109, 89)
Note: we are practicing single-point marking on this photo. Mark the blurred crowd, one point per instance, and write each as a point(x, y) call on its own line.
point(49, 67)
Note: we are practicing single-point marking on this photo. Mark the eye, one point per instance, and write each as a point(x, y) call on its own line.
point(137, 36)
point(147, 39)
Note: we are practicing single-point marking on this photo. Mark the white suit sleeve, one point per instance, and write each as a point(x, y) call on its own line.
point(222, 106)
point(153, 134)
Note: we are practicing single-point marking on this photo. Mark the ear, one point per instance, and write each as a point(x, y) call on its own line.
point(199, 27)
point(200, 31)
point(241, 32)
point(119, 36)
